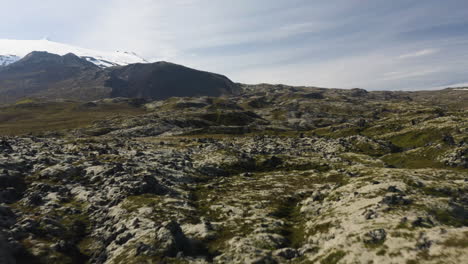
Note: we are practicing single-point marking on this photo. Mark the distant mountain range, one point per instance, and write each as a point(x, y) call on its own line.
point(13, 50)
point(79, 76)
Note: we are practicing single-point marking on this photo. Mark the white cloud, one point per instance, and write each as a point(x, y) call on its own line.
point(132, 26)
point(253, 42)
point(452, 85)
point(408, 74)
point(421, 53)
point(338, 43)
point(373, 71)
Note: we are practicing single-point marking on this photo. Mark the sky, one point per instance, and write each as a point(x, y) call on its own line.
point(370, 44)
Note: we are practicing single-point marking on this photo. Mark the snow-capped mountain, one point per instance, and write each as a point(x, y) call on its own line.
point(13, 50)
point(50, 76)
point(7, 59)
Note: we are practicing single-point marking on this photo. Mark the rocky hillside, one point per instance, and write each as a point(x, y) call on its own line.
point(276, 174)
point(49, 76)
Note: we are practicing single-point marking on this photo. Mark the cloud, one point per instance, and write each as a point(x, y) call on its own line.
point(424, 52)
point(375, 44)
point(408, 74)
point(132, 27)
point(451, 85)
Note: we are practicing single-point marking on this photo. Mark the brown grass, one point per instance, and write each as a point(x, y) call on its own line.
point(37, 118)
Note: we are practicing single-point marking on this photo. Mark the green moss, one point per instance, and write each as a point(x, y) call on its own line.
point(87, 246)
point(302, 259)
point(374, 245)
point(26, 101)
point(125, 258)
point(216, 245)
point(402, 225)
point(422, 158)
point(279, 115)
point(269, 163)
point(294, 229)
point(383, 128)
point(394, 254)
point(339, 179)
point(230, 118)
point(436, 192)
point(321, 228)
point(381, 252)
point(317, 166)
point(266, 245)
point(74, 220)
point(418, 138)
point(133, 203)
point(205, 210)
point(174, 261)
point(39, 251)
point(239, 167)
point(333, 257)
point(363, 159)
point(335, 197)
point(371, 149)
point(110, 158)
point(203, 197)
point(450, 217)
point(78, 226)
point(457, 242)
point(346, 132)
point(331, 132)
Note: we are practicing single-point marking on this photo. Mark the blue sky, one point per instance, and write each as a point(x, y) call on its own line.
point(372, 44)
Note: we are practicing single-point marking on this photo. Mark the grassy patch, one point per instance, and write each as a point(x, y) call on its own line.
point(230, 118)
point(333, 257)
point(450, 217)
point(418, 138)
point(383, 128)
point(381, 252)
point(133, 203)
point(415, 159)
point(331, 132)
point(436, 192)
point(294, 229)
point(25, 101)
point(279, 115)
point(27, 118)
point(339, 179)
point(87, 246)
point(321, 228)
point(457, 242)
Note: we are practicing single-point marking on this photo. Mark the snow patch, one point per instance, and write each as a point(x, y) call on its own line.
point(8, 59)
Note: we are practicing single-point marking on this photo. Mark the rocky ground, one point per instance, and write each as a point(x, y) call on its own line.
point(275, 175)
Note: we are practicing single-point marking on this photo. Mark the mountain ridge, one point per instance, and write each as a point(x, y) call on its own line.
point(51, 76)
point(13, 50)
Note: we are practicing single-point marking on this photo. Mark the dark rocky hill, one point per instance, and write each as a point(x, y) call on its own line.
point(162, 80)
point(49, 76)
point(42, 74)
